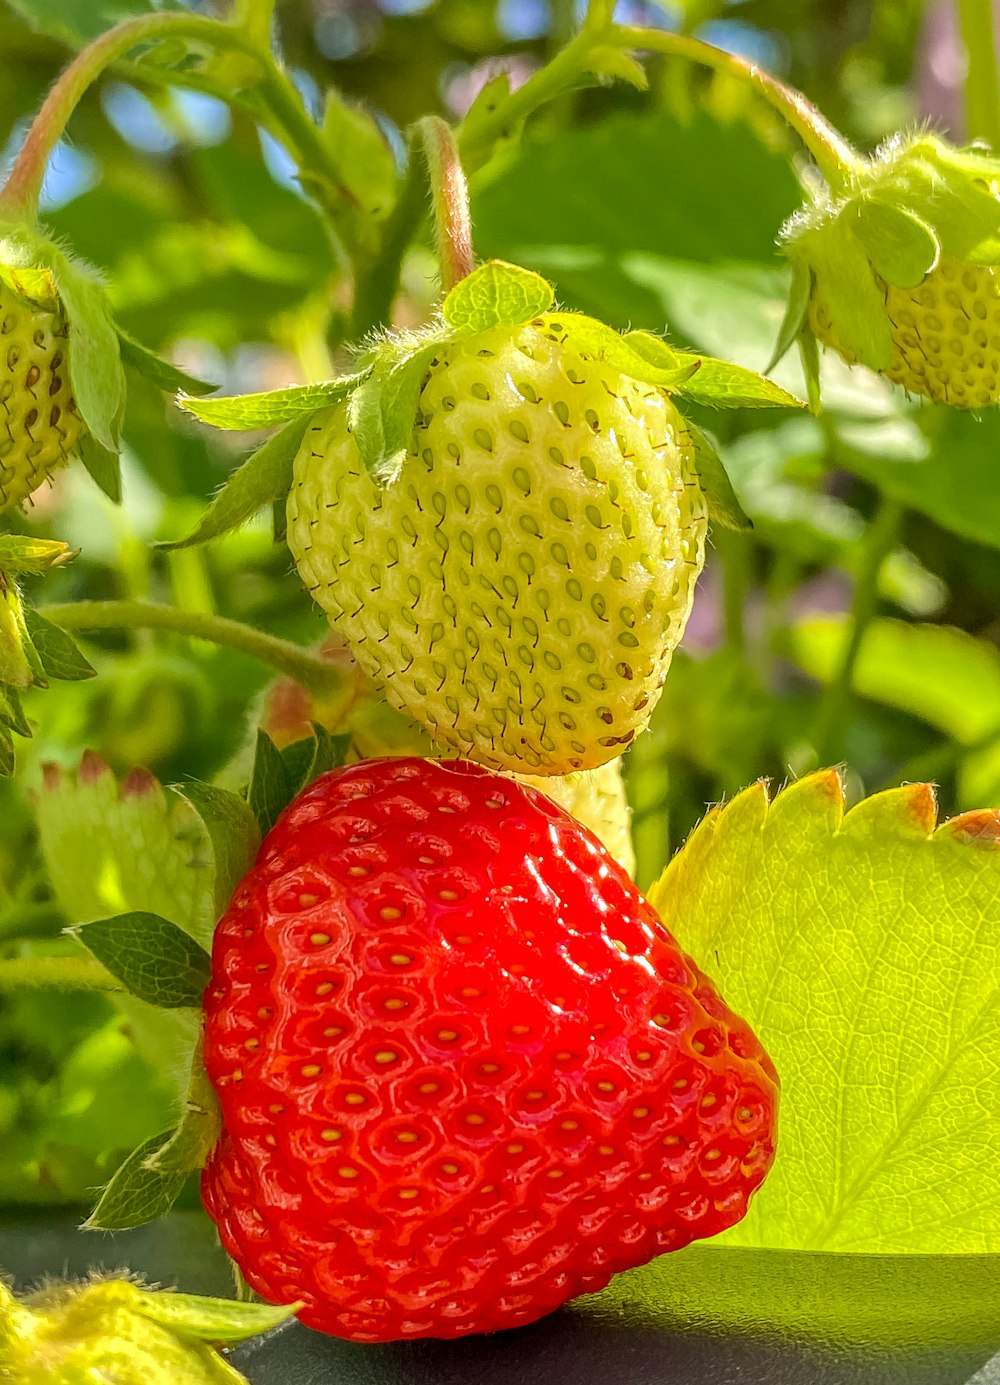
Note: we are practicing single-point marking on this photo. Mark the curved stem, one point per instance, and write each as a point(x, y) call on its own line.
point(58, 973)
point(20, 193)
point(982, 89)
point(314, 673)
point(449, 199)
point(828, 735)
point(836, 159)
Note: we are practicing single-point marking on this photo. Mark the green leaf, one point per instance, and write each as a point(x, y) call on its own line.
point(382, 410)
point(104, 466)
point(189, 1146)
point(796, 310)
point(232, 830)
point(270, 791)
point(8, 762)
point(11, 712)
point(168, 376)
point(20, 553)
point(494, 294)
point(861, 946)
point(58, 653)
point(940, 674)
point(244, 411)
point(216, 1320)
point(152, 958)
point(876, 1301)
point(265, 477)
point(719, 383)
point(136, 1195)
point(902, 248)
point(95, 367)
point(723, 505)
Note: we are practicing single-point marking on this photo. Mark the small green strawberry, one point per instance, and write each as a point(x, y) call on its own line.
point(900, 273)
point(115, 1331)
point(39, 423)
point(503, 516)
point(521, 586)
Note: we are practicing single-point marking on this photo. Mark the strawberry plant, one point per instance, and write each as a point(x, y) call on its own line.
point(499, 689)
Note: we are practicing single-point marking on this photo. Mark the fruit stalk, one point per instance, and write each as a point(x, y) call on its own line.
point(57, 973)
point(449, 198)
point(19, 196)
point(316, 674)
point(982, 86)
point(833, 155)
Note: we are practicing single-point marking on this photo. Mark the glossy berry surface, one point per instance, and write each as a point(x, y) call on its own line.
point(465, 1073)
point(39, 423)
point(519, 590)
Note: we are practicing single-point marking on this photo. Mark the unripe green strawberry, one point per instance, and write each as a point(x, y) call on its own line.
point(520, 587)
point(901, 272)
point(39, 423)
point(115, 1331)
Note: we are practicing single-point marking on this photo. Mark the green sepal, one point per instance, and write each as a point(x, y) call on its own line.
point(104, 466)
point(152, 958)
point(494, 295)
point(809, 355)
point(12, 713)
point(8, 761)
point(723, 506)
point(489, 98)
point(901, 246)
point(382, 411)
point(270, 790)
point(614, 63)
point(169, 377)
point(244, 411)
point(306, 759)
point(135, 1194)
point(19, 663)
point(21, 553)
point(58, 653)
point(265, 477)
point(199, 1127)
point(713, 382)
point(95, 367)
point(844, 278)
point(218, 1320)
point(232, 830)
point(796, 312)
point(652, 361)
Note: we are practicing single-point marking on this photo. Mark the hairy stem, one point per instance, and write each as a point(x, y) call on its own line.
point(828, 733)
point(449, 200)
point(982, 88)
point(836, 159)
point(57, 973)
point(312, 672)
point(20, 193)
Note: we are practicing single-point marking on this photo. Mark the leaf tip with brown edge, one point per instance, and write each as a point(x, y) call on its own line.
point(979, 827)
point(92, 767)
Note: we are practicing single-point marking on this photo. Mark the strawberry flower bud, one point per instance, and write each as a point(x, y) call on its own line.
point(900, 273)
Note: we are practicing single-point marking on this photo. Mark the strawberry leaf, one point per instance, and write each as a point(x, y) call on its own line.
point(382, 411)
point(862, 948)
point(165, 374)
point(723, 506)
point(232, 830)
point(265, 477)
point(494, 294)
point(136, 1195)
point(59, 654)
point(153, 959)
point(244, 411)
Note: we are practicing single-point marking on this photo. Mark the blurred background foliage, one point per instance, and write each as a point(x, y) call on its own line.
point(654, 210)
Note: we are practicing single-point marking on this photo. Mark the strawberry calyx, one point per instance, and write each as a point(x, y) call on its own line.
point(382, 394)
point(917, 206)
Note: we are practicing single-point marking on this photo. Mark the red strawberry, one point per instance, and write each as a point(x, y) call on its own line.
point(465, 1073)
